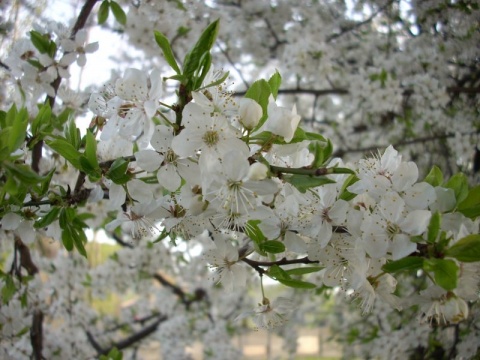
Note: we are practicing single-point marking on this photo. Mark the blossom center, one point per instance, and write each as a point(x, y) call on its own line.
point(170, 156)
point(211, 137)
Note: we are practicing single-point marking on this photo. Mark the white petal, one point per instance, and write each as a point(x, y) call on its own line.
point(140, 191)
point(168, 177)
point(11, 221)
point(416, 222)
point(148, 160)
point(117, 196)
point(402, 246)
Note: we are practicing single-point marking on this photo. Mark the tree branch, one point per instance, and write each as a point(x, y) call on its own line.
point(128, 341)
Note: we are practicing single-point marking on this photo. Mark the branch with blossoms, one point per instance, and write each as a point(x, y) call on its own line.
point(237, 176)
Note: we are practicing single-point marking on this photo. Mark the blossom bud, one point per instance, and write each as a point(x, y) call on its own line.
point(282, 121)
point(455, 309)
point(257, 171)
point(250, 113)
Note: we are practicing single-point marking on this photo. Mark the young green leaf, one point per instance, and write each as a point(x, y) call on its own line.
point(42, 120)
point(118, 13)
point(50, 217)
point(91, 149)
point(64, 148)
point(304, 270)
point(297, 284)
point(272, 247)
point(470, 207)
point(459, 184)
point(203, 68)
point(405, 264)
point(435, 176)
point(275, 81)
point(67, 239)
point(23, 173)
point(305, 182)
point(8, 290)
point(434, 227)
point(192, 60)
point(18, 131)
point(103, 11)
point(41, 42)
point(445, 272)
point(164, 44)
point(118, 172)
point(466, 249)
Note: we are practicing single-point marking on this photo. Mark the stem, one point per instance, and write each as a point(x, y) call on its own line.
point(261, 287)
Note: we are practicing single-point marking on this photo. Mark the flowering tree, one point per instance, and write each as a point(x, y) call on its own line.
point(175, 158)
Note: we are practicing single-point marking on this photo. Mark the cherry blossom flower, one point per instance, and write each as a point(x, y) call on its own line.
point(139, 220)
point(269, 315)
point(140, 97)
point(77, 49)
point(224, 258)
point(211, 134)
point(171, 168)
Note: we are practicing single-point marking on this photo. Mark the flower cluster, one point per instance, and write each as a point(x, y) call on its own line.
point(220, 191)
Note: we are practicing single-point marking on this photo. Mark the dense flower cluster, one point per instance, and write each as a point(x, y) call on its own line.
point(211, 193)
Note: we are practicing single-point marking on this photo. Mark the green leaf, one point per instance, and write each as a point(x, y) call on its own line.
point(276, 272)
point(405, 264)
point(272, 246)
point(52, 49)
point(118, 12)
point(304, 270)
point(114, 354)
point(91, 149)
point(118, 172)
point(72, 134)
point(50, 217)
point(23, 173)
point(64, 148)
point(8, 290)
point(41, 42)
point(344, 193)
point(297, 284)
point(42, 120)
point(3, 117)
point(45, 183)
point(434, 227)
point(203, 68)
point(18, 130)
point(275, 81)
point(445, 272)
point(435, 176)
point(321, 152)
point(10, 116)
point(470, 207)
point(79, 239)
point(192, 60)
point(466, 249)
point(253, 232)
point(314, 136)
point(305, 182)
point(67, 239)
point(459, 184)
point(164, 44)
point(103, 11)
point(282, 276)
